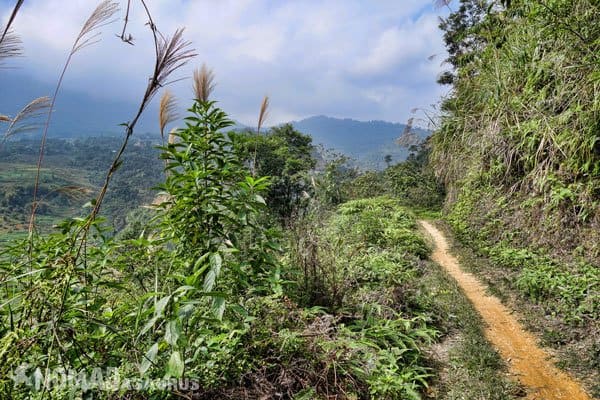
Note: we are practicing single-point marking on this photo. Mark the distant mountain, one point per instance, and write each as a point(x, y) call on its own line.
point(77, 114)
point(366, 141)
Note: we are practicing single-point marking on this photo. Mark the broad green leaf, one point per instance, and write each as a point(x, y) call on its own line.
point(216, 261)
point(215, 269)
point(160, 305)
point(209, 280)
point(172, 332)
point(149, 358)
point(218, 307)
point(175, 366)
point(148, 325)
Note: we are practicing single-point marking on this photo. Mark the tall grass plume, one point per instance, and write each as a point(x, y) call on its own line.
point(86, 37)
point(203, 83)
point(262, 116)
point(167, 112)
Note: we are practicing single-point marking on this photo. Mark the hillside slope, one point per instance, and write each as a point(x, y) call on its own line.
point(367, 141)
point(518, 149)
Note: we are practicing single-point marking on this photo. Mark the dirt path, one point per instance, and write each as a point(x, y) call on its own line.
point(532, 366)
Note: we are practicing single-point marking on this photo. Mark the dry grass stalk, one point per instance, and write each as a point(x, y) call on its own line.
point(262, 116)
point(100, 17)
point(408, 138)
point(22, 122)
point(10, 46)
point(171, 54)
point(11, 19)
point(126, 38)
point(167, 111)
point(203, 83)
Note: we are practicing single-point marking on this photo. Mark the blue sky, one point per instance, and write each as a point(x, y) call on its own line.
point(361, 59)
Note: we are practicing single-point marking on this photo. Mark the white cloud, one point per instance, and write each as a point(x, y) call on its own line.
point(348, 58)
point(399, 46)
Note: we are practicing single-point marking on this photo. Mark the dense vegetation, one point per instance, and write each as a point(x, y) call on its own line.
point(412, 182)
point(210, 292)
point(286, 156)
point(262, 268)
point(519, 152)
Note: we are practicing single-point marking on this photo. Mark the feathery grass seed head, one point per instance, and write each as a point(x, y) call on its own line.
point(203, 83)
point(167, 112)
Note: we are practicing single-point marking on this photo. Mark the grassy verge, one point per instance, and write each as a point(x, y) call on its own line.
point(548, 300)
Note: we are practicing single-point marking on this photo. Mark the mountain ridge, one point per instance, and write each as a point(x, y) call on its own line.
point(81, 115)
point(366, 141)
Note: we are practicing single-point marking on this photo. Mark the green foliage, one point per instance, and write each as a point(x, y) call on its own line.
point(196, 287)
point(159, 300)
point(211, 219)
point(332, 184)
point(286, 156)
point(351, 265)
point(55, 304)
point(460, 35)
point(379, 221)
point(70, 177)
point(411, 182)
point(517, 147)
point(211, 203)
point(524, 111)
point(570, 290)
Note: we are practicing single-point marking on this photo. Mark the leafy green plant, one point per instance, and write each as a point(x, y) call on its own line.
point(286, 156)
point(411, 182)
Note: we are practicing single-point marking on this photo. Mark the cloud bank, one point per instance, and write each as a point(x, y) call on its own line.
point(344, 58)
